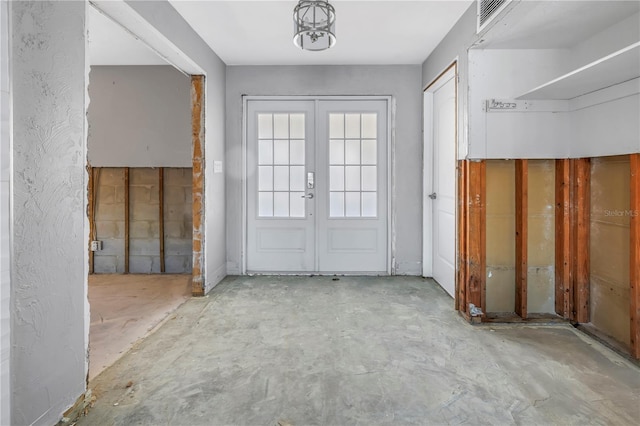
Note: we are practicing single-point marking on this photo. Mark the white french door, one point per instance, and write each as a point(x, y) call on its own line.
point(317, 186)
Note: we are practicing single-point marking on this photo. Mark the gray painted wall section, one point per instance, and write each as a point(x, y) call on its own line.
point(49, 265)
point(162, 16)
point(5, 231)
point(401, 82)
point(139, 116)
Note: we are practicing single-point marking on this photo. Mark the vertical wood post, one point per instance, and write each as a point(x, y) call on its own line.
point(580, 251)
point(522, 191)
point(161, 216)
point(476, 290)
point(197, 133)
point(126, 220)
point(634, 251)
point(462, 275)
point(91, 194)
point(563, 287)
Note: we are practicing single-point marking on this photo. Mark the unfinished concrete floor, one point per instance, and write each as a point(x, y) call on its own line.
point(125, 308)
point(376, 350)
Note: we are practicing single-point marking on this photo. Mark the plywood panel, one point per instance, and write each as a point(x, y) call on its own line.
point(609, 246)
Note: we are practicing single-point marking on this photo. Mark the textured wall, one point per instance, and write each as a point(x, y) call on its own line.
point(610, 214)
point(402, 82)
point(139, 116)
point(49, 267)
point(5, 248)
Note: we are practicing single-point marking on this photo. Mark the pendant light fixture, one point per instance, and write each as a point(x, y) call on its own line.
point(314, 23)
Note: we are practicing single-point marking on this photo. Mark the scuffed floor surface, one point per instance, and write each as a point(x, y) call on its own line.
point(125, 308)
point(366, 351)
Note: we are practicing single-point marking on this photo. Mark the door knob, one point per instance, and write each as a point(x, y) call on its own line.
point(433, 196)
point(309, 196)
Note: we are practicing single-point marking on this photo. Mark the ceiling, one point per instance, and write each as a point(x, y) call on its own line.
point(260, 32)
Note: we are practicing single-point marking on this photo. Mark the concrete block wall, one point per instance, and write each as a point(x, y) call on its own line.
point(144, 220)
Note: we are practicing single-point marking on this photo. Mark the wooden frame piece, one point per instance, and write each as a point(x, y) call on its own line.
point(462, 276)
point(476, 235)
point(563, 287)
point(634, 252)
point(522, 212)
point(126, 220)
point(581, 231)
point(161, 217)
point(197, 133)
point(91, 213)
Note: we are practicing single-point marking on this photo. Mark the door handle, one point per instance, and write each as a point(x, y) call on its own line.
point(433, 196)
point(309, 196)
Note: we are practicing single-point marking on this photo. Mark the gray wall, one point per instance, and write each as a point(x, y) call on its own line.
point(49, 308)
point(401, 82)
point(166, 20)
point(139, 116)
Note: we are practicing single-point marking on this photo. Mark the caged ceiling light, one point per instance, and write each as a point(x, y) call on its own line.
point(314, 24)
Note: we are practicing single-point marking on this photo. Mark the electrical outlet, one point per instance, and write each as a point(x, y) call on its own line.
point(96, 245)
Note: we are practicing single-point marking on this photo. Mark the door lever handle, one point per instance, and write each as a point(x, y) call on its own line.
point(433, 196)
point(309, 196)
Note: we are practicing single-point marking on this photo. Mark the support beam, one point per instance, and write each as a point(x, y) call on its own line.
point(91, 194)
point(197, 133)
point(476, 290)
point(564, 289)
point(161, 217)
point(522, 191)
point(634, 251)
point(462, 276)
point(581, 226)
point(126, 220)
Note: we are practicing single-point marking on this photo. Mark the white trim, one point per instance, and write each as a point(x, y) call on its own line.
point(390, 192)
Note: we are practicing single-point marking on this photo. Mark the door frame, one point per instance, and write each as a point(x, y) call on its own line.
point(317, 99)
point(427, 166)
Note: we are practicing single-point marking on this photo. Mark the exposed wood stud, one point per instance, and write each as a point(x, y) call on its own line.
point(580, 251)
point(476, 290)
point(91, 191)
point(522, 182)
point(634, 251)
point(161, 217)
point(197, 132)
point(563, 291)
point(462, 276)
point(126, 220)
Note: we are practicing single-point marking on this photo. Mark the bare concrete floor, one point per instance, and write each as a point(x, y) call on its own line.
point(125, 308)
point(299, 351)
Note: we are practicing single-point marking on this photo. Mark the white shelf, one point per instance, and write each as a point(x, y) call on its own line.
point(618, 67)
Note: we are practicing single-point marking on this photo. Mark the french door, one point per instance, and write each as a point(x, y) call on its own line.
point(317, 196)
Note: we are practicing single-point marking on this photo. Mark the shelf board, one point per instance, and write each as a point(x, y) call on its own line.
point(618, 67)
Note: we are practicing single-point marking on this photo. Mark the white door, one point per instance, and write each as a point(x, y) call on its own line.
point(317, 186)
point(442, 98)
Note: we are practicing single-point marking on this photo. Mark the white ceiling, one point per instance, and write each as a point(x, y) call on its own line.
point(110, 44)
point(260, 32)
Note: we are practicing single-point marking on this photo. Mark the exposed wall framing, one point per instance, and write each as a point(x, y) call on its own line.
point(522, 190)
point(580, 242)
point(127, 213)
point(634, 252)
point(197, 127)
point(161, 218)
point(564, 289)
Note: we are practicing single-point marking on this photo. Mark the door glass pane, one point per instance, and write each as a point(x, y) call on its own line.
point(281, 204)
point(297, 182)
point(265, 204)
point(352, 204)
point(369, 126)
point(336, 204)
point(352, 151)
point(281, 178)
point(296, 126)
point(336, 126)
point(296, 203)
point(336, 178)
point(336, 151)
point(281, 126)
point(265, 152)
point(265, 126)
point(352, 126)
point(352, 178)
point(369, 151)
point(281, 152)
point(296, 152)
point(265, 178)
point(369, 178)
point(369, 204)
